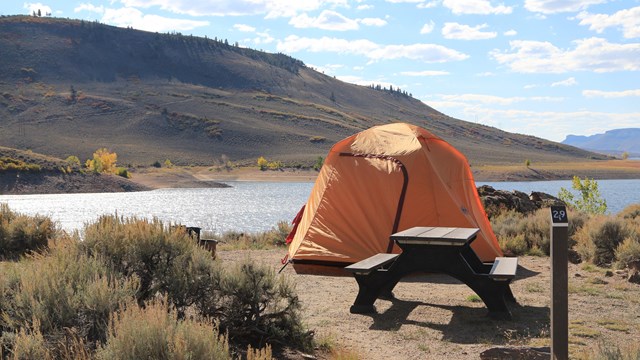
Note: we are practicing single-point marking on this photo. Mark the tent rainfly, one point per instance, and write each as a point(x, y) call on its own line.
point(380, 181)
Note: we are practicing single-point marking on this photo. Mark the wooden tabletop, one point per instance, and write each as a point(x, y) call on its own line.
point(428, 235)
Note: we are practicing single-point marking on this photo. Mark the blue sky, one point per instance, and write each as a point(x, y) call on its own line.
point(546, 68)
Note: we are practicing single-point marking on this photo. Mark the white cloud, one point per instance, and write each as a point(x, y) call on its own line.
point(428, 4)
point(610, 94)
point(593, 54)
point(263, 38)
point(457, 31)
point(364, 7)
point(244, 28)
point(89, 7)
point(373, 22)
point(558, 6)
point(478, 7)
point(35, 7)
point(510, 33)
point(531, 86)
point(125, 17)
point(425, 73)
point(486, 74)
point(568, 82)
point(405, 1)
point(628, 20)
point(327, 20)
point(427, 28)
point(430, 53)
point(553, 125)
point(269, 8)
point(363, 82)
point(482, 98)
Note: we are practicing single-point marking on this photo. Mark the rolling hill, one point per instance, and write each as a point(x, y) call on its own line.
point(69, 87)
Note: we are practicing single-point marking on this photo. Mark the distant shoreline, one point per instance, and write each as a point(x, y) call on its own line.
point(208, 177)
point(180, 177)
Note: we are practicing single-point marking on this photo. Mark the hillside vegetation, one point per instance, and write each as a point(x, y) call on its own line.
point(68, 87)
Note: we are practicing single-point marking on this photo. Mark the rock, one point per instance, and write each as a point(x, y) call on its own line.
point(522, 353)
point(495, 201)
point(574, 257)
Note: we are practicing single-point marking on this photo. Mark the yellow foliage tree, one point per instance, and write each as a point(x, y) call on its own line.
point(103, 162)
point(262, 163)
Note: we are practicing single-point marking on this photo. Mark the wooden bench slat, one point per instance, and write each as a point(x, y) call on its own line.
point(504, 268)
point(371, 263)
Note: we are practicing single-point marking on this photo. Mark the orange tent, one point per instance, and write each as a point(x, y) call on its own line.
point(380, 181)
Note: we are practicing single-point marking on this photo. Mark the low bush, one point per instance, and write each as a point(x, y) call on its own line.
point(520, 234)
point(628, 253)
point(61, 290)
point(598, 239)
point(123, 172)
point(156, 332)
point(166, 261)
point(258, 308)
point(56, 304)
point(20, 234)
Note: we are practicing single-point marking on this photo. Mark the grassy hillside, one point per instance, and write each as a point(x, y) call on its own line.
point(68, 87)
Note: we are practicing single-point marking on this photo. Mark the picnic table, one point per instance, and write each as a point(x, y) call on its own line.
point(435, 250)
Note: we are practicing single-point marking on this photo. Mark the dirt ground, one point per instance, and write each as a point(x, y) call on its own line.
point(436, 317)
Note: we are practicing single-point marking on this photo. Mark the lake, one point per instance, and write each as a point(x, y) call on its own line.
point(246, 206)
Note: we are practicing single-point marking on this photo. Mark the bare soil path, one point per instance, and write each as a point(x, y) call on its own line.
point(436, 317)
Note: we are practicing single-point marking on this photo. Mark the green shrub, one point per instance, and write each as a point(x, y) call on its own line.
point(165, 261)
point(156, 332)
point(121, 171)
point(20, 234)
point(513, 245)
point(65, 289)
point(260, 308)
point(589, 199)
point(598, 239)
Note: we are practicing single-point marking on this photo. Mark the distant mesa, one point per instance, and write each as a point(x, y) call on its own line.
point(615, 142)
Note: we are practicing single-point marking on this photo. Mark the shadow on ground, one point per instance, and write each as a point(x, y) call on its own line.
point(469, 325)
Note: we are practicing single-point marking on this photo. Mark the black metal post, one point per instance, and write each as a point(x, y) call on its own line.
point(559, 283)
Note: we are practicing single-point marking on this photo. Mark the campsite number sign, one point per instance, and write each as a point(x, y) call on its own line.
point(559, 215)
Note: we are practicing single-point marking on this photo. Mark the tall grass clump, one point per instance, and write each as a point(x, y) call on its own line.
point(599, 238)
point(606, 351)
point(165, 261)
point(274, 238)
point(631, 212)
point(157, 332)
point(58, 293)
point(20, 234)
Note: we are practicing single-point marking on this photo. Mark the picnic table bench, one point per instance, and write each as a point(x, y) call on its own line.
point(435, 250)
